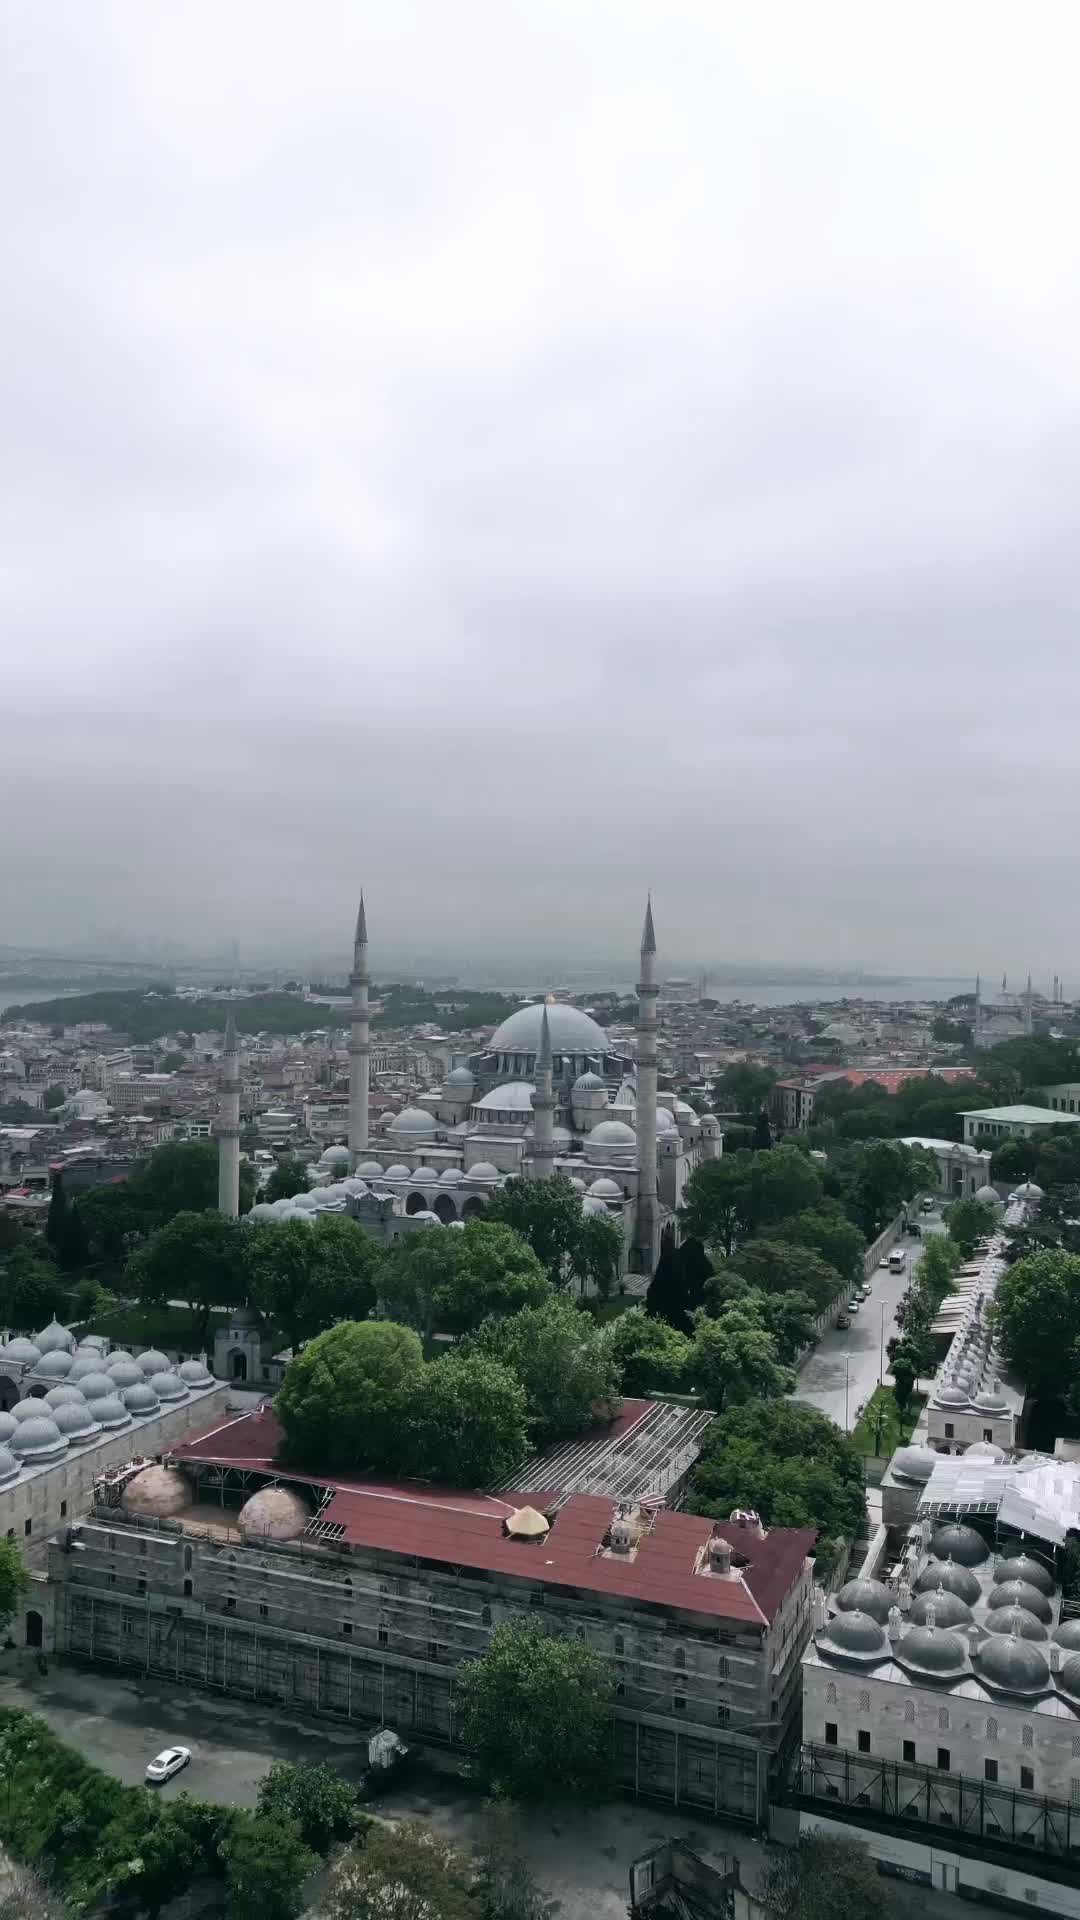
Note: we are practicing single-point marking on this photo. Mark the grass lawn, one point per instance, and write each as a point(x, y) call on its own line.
point(895, 1431)
point(169, 1327)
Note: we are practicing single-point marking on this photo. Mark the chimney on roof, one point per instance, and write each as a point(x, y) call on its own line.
point(621, 1533)
point(1055, 1659)
point(720, 1556)
point(896, 1621)
point(903, 1594)
point(819, 1610)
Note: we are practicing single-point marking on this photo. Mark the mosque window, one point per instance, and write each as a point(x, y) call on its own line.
point(943, 1719)
point(830, 1694)
point(991, 1730)
point(1027, 1737)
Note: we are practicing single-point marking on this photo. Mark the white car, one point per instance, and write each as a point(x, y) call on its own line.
point(884, 1261)
point(166, 1763)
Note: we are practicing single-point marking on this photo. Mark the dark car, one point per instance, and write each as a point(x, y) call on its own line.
point(914, 1229)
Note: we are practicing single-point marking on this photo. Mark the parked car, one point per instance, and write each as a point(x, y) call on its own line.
point(884, 1261)
point(843, 1321)
point(866, 1290)
point(914, 1229)
point(926, 1205)
point(169, 1761)
point(854, 1304)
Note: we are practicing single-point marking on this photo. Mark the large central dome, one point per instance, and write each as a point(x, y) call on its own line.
point(571, 1031)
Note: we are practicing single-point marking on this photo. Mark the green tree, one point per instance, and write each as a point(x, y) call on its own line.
point(547, 1214)
point(785, 1461)
point(823, 1878)
point(1036, 1315)
point(266, 1864)
point(562, 1360)
point(56, 1219)
point(789, 1317)
point(407, 1872)
point(745, 1088)
point(596, 1255)
point(677, 1288)
point(31, 1290)
point(182, 1177)
point(52, 1098)
point(775, 1267)
point(183, 1841)
point(469, 1422)
point(304, 1276)
point(347, 1400)
point(454, 1280)
point(290, 1176)
point(715, 1209)
point(197, 1257)
point(316, 1797)
point(827, 1232)
point(14, 1580)
point(506, 1887)
point(734, 1358)
point(650, 1355)
point(906, 1367)
point(762, 1133)
point(112, 1219)
point(967, 1221)
point(537, 1714)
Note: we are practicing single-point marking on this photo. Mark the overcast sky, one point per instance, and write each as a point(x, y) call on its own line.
point(510, 455)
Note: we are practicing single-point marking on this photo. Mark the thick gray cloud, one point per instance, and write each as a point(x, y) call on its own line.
point(512, 454)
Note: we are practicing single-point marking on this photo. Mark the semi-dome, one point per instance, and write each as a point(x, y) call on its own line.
point(571, 1031)
point(514, 1096)
point(140, 1399)
point(932, 1650)
point(169, 1386)
point(158, 1492)
point(1016, 1620)
point(39, 1439)
point(613, 1133)
point(1027, 1190)
point(1018, 1593)
point(75, 1420)
point(914, 1463)
point(989, 1196)
point(9, 1466)
point(274, 1513)
point(959, 1542)
point(21, 1351)
point(110, 1411)
point(947, 1608)
point(866, 1596)
point(28, 1409)
point(54, 1338)
point(985, 1450)
point(54, 1365)
point(483, 1170)
point(65, 1396)
point(96, 1386)
point(414, 1120)
point(1024, 1566)
point(951, 1576)
point(194, 1374)
point(1014, 1665)
point(151, 1362)
point(125, 1373)
point(604, 1189)
point(84, 1364)
point(855, 1634)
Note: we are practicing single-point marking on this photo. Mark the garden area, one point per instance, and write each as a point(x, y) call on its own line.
point(883, 1427)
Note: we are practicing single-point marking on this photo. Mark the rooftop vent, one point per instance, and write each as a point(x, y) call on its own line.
point(527, 1524)
point(720, 1556)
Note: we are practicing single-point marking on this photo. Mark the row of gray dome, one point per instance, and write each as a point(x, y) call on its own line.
point(42, 1429)
point(1007, 1661)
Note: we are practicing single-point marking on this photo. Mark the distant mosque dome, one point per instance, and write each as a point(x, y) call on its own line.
point(588, 1083)
point(605, 1190)
point(460, 1077)
point(613, 1134)
point(483, 1170)
point(414, 1121)
point(571, 1031)
point(55, 1339)
point(989, 1196)
point(665, 1121)
point(337, 1156)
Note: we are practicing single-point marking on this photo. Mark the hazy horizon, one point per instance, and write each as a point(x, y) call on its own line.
point(513, 458)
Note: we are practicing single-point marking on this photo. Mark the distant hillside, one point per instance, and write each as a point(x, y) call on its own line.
point(145, 1015)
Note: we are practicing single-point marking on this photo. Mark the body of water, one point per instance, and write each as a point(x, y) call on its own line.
point(22, 996)
point(786, 993)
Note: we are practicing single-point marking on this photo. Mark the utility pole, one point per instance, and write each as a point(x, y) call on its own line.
point(881, 1350)
point(847, 1382)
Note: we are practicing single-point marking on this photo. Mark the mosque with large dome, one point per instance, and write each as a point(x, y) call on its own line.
point(548, 1094)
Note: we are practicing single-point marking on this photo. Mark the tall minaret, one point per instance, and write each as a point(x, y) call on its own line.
point(543, 1106)
point(1028, 1007)
point(228, 1125)
point(359, 1044)
point(648, 1243)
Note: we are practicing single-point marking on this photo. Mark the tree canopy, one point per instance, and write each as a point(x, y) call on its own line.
point(469, 1421)
point(289, 1177)
point(734, 1358)
point(303, 1276)
point(774, 1266)
point(787, 1462)
point(745, 1087)
point(316, 1797)
point(823, 1878)
point(563, 1362)
point(182, 1177)
point(453, 1281)
point(538, 1714)
point(746, 1192)
point(650, 1355)
point(677, 1288)
point(967, 1221)
point(1036, 1315)
point(547, 1215)
point(197, 1257)
point(348, 1399)
point(406, 1872)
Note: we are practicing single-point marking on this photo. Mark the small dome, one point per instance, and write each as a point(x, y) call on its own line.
point(1029, 1191)
point(354, 1186)
point(54, 1365)
point(483, 1170)
point(710, 1124)
point(947, 1608)
point(604, 1189)
point(169, 1386)
point(425, 1177)
point(151, 1362)
point(9, 1466)
point(262, 1210)
point(7, 1427)
point(665, 1122)
point(335, 1156)
point(140, 1399)
point(991, 1400)
point(126, 1373)
point(1012, 1664)
point(92, 1343)
point(39, 1439)
point(65, 1396)
point(22, 1351)
point(75, 1420)
point(451, 1177)
point(985, 1450)
point(158, 1492)
point(961, 1543)
point(459, 1079)
point(577, 1184)
point(588, 1083)
point(413, 1120)
point(397, 1172)
point(118, 1357)
point(931, 1650)
point(866, 1596)
point(592, 1205)
point(1068, 1678)
point(27, 1410)
point(1067, 1634)
point(857, 1634)
point(84, 1364)
point(194, 1374)
point(369, 1170)
point(526, 1523)
point(615, 1134)
point(1016, 1620)
point(54, 1339)
point(989, 1196)
point(110, 1411)
point(951, 1396)
point(274, 1513)
point(1024, 1566)
point(914, 1463)
point(954, 1579)
point(1017, 1593)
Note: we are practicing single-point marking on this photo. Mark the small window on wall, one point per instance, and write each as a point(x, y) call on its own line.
point(988, 1433)
point(830, 1733)
point(950, 1430)
point(864, 1739)
point(909, 1711)
point(990, 1770)
point(864, 1700)
point(28, 1528)
point(909, 1750)
point(1027, 1780)
point(943, 1759)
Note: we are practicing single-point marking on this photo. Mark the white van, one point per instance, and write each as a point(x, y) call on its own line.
point(897, 1260)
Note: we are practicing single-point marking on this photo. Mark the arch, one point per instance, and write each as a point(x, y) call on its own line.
point(238, 1364)
point(416, 1203)
point(958, 1180)
point(9, 1393)
point(444, 1207)
point(35, 1627)
point(473, 1207)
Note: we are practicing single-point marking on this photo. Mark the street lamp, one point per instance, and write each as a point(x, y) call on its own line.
point(881, 1350)
point(847, 1382)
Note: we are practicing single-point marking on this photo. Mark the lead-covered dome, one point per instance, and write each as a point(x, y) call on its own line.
point(615, 1134)
point(961, 1543)
point(571, 1031)
point(193, 1373)
point(65, 1396)
point(1012, 1664)
point(947, 1608)
point(914, 1463)
point(151, 1362)
point(274, 1513)
point(1067, 1634)
point(126, 1373)
point(854, 1635)
point(39, 1439)
point(7, 1427)
point(414, 1121)
point(1016, 1620)
point(588, 1083)
point(27, 1410)
point(460, 1077)
point(9, 1466)
point(96, 1386)
point(954, 1579)
point(932, 1650)
point(21, 1351)
point(1024, 1566)
point(866, 1596)
point(75, 1420)
point(169, 1386)
point(1017, 1593)
point(55, 1365)
point(140, 1399)
point(91, 1362)
point(54, 1338)
point(483, 1170)
point(110, 1411)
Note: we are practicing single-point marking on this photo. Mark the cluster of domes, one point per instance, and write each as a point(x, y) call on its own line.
point(92, 1393)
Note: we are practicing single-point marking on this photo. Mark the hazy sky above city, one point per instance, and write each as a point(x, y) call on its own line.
point(509, 455)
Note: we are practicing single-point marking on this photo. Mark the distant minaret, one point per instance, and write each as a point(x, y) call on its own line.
point(647, 1224)
point(543, 1106)
point(1028, 1007)
point(359, 1044)
point(228, 1126)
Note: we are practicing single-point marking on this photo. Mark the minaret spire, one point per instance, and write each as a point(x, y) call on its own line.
point(543, 1106)
point(228, 1124)
point(359, 1042)
point(647, 1235)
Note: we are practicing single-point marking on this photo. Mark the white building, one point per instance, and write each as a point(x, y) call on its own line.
point(1022, 1122)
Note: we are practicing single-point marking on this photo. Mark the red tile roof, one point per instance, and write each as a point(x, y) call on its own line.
point(467, 1529)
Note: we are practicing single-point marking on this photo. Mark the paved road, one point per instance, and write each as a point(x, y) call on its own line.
point(843, 1370)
